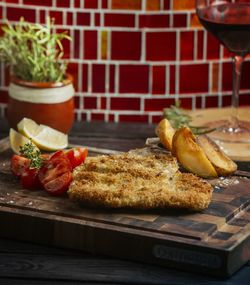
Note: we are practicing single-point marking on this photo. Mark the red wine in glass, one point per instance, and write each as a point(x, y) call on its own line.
point(229, 22)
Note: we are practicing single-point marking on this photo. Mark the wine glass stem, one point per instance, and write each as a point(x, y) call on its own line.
point(237, 67)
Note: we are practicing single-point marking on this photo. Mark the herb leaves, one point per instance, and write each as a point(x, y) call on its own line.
point(29, 151)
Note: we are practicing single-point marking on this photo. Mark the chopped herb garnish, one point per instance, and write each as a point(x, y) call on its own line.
point(29, 151)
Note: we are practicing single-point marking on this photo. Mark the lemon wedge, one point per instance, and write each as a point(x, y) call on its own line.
point(28, 127)
point(46, 138)
point(17, 140)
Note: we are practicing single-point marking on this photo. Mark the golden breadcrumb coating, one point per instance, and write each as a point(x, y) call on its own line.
point(139, 179)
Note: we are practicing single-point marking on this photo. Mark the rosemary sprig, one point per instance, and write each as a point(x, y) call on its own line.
point(179, 118)
point(28, 150)
point(33, 51)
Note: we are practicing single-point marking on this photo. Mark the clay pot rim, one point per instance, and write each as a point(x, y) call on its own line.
point(35, 84)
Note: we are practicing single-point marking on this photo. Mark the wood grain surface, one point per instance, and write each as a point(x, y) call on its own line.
point(214, 241)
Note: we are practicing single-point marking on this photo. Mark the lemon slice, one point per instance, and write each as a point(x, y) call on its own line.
point(46, 138)
point(17, 140)
point(28, 127)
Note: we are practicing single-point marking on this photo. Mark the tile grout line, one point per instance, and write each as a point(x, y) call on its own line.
point(177, 67)
point(167, 80)
point(90, 70)
point(117, 78)
point(210, 77)
point(195, 54)
point(99, 45)
point(220, 77)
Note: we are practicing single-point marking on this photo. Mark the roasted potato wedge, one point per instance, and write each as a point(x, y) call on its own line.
point(222, 163)
point(165, 132)
point(190, 155)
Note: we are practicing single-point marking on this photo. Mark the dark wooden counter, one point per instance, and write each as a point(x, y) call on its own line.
point(25, 263)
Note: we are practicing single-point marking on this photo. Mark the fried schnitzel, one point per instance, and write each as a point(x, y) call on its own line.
point(142, 179)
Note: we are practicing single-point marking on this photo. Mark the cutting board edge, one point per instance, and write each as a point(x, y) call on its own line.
point(166, 253)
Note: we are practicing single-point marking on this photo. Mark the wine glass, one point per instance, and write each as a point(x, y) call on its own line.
point(229, 22)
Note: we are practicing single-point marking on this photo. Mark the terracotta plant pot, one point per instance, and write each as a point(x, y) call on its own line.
point(46, 103)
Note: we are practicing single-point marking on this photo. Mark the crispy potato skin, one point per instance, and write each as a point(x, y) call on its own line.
point(190, 154)
point(165, 132)
point(223, 165)
point(141, 180)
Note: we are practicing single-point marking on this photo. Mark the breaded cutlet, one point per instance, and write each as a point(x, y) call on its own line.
point(138, 179)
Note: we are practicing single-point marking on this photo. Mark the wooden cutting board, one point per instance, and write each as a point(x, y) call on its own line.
point(215, 241)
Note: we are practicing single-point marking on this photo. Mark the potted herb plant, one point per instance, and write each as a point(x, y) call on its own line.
point(40, 88)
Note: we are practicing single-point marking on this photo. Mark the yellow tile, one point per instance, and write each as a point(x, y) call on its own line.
point(152, 5)
point(215, 77)
point(126, 4)
point(104, 45)
point(194, 22)
point(184, 4)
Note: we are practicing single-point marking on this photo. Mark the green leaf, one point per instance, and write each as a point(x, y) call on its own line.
point(33, 51)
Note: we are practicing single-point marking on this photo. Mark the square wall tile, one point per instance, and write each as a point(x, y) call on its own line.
point(89, 102)
point(153, 5)
point(159, 79)
point(166, 4)
point(194, 78)
point(125, 104)
point(158, 104)
point(97, 117)
point(180, 20)
point(160, 46)
point(213, 47)
point(125, 45)
point(112, 69)
point(126, 4)
point(134, 79)
point(57, 16)
point(73, 70)
point(90, 44)
point(119, 20)
point(227, 71)
point(62, 3)
point(14, 14)
point(187, 51)
point(211, 101)
point(184, 4)
point(154, 21)
point(98, 78)
point(83, 19)
point(46, 3)
point(85, 76)
point(91, 4)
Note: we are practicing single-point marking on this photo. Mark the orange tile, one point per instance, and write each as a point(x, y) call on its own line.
point(195, 21)
point(184, 4)
point(215, 77)
point(153, 5)
point(126, 4)
point(104, 46)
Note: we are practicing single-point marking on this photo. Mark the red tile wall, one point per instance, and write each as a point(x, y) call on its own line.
point(132, 58)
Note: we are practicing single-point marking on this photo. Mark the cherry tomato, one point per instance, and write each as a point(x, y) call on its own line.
point(59, 185)
point(77, 156)
point(55, 176)
point(58, 153)
point(45, 157)
point(19, 164)
point(29, 178)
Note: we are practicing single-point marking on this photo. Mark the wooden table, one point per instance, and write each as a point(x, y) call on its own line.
point(25, 263)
